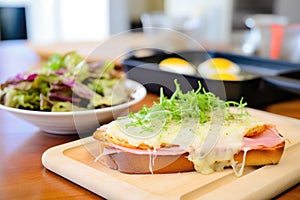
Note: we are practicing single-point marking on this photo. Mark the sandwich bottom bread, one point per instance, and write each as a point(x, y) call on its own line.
point(195, 131)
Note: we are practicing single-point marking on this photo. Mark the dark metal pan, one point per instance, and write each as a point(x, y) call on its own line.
point(272, 80)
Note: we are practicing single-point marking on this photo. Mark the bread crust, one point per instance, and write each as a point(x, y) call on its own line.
point(103, 136)
point(264, 156)
point(257, 130)
point(130, 163)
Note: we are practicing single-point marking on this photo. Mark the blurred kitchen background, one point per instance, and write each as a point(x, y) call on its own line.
point(228, 22)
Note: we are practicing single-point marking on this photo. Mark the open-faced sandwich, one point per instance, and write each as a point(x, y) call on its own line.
point(186, 132)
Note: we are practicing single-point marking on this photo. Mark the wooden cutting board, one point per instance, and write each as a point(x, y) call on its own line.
point(75, 162)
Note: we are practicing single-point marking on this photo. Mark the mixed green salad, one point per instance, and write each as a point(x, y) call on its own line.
point(65, 83)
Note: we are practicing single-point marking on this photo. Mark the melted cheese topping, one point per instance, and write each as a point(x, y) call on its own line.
point(229, 143)
point(192, 138)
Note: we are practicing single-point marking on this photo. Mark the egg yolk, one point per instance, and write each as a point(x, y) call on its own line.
point(221, 63)
point(223, 76)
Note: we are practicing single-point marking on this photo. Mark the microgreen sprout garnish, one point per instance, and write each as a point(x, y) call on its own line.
point(199, 105)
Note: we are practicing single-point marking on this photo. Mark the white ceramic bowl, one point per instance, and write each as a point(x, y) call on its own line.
point(79, 122)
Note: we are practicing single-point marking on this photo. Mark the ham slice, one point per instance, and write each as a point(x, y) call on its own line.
point(269, 138)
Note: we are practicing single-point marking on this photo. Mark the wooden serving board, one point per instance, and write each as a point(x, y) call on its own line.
point(75, 162)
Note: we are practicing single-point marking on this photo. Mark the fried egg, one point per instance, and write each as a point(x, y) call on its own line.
point(220, 69)
point(177, 65)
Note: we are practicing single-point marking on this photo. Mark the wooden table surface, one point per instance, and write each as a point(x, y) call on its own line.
point(22, 175)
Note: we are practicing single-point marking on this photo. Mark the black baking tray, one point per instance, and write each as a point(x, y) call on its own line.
point(274, 80)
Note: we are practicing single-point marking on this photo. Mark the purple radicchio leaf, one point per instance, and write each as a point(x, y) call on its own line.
point(22, 77)
point(83, 91)
point(62, 92)
point(61, 97)
point(68, 82)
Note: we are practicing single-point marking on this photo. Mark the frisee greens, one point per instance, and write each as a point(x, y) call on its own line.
point(199, 105)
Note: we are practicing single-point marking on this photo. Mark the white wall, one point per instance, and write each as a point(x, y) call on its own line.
point(289, 8)
point(67, 20)
point(119, 16)
point(215, 14)
point(13, 2)
point(82, 20)
point(42, 21)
